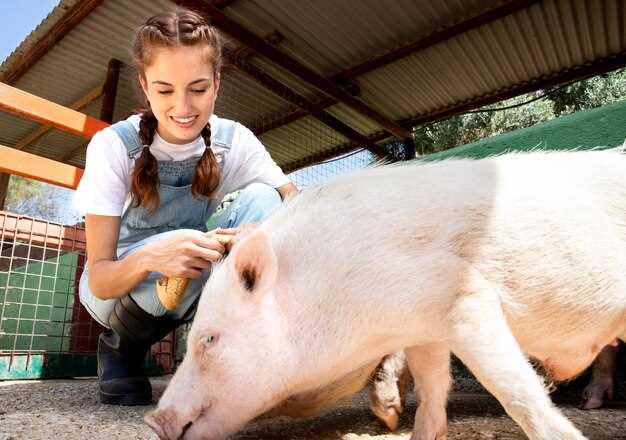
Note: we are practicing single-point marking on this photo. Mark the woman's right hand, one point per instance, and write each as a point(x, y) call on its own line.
point(184, 254)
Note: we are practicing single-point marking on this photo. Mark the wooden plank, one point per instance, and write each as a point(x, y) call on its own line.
point(14, 227)
point(77, 105)
point(28, 165)
point(24, 104)
point(231, 27)
point(22, 63)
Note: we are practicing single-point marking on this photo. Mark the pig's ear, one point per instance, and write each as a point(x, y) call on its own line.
point(253, 264)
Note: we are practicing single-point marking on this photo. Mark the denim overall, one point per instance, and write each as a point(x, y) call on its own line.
point(178, 210)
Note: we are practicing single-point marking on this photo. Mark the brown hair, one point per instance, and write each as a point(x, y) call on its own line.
point(181, 28)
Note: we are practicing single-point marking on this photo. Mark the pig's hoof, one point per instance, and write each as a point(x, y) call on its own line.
point(438, 436)
point(391, 420)
point(594, 396)
point(592, 403)
point(389, 416)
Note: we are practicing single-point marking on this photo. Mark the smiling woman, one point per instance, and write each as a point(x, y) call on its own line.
point(150, 184)
point(181, 100)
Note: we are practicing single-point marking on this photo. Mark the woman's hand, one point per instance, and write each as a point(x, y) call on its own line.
point(236, 233)
point(184, 254)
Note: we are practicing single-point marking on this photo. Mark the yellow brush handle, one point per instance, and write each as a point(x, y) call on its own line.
point(171, 290)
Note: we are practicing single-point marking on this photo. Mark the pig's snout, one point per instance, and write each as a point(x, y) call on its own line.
point(168, 424)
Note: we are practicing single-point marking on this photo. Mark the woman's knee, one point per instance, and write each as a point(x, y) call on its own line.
point(261, 193)
point(254, 203)
point(99, 309)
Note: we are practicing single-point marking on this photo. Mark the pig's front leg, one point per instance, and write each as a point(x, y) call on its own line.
point(482, 339)
point(430, 367)
point(602, 378)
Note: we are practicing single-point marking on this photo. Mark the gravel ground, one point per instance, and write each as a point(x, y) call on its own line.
point(68, 409)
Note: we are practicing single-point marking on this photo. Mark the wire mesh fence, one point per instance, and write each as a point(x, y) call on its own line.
point(321, 172)
point(44, 329)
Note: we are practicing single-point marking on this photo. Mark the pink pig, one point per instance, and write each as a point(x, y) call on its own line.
point(494, 260)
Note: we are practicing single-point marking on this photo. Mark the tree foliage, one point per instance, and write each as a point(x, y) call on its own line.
point(20, 189)
point(546, 104)
point(40, 200)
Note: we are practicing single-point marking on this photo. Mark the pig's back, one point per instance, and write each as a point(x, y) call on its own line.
point(532, 224)
point(524, 192)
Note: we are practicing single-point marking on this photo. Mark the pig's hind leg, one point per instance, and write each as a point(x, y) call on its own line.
point(602, 378)
point(430, 367)
point(482, 339)
point(388, 387)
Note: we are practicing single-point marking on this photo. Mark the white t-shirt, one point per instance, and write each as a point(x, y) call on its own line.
point(105, 186)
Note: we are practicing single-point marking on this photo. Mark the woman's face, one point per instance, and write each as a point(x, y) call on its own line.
point(181, 86)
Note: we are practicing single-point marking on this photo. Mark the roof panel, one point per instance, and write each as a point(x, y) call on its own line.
point(541, 41)
point(329, 36)
point(13, 128)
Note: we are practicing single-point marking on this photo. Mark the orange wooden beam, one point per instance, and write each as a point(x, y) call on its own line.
point(78, 105)
point(46, 112)
point(24, 164)
point(41, 233)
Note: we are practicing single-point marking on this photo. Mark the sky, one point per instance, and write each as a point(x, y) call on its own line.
point(20, 19)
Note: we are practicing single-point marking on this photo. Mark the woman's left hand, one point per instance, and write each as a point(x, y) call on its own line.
point(234, 233)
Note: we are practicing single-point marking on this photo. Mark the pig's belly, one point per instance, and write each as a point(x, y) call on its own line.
point(567, 356)
point(565, 336)
point(561, 365)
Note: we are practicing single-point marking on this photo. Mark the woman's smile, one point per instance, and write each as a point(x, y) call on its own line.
point(184, 122)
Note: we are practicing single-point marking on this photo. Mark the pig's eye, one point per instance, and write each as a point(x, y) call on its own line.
point(210, 340)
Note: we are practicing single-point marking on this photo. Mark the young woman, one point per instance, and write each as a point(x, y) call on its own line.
point(150, 184)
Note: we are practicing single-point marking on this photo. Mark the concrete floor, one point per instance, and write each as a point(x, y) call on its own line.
point(68, 409)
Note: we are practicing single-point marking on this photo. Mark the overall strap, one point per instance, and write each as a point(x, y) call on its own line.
point(223, 133)
point(130, 137)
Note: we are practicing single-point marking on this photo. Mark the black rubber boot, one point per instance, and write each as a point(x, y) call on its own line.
point(122, 351)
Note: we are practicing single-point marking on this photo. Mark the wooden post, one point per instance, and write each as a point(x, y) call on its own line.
point(4, 188)
point(110, 90)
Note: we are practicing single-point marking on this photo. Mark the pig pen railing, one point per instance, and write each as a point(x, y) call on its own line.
point(44, 329)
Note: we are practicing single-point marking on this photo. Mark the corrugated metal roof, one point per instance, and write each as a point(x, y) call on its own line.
point(541, 41)
point(329, 35)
